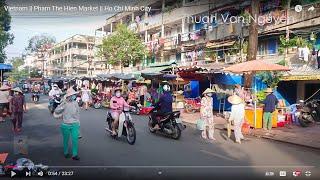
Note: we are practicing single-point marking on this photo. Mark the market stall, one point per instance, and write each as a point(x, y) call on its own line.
point(254, 113)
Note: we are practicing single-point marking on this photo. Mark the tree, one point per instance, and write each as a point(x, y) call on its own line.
point(40, 42)
point(253, 31)
point(18, 72)
point(253, 39)
point(40, 45)
point(36, 73)
point(122, 48)
point(6, 38)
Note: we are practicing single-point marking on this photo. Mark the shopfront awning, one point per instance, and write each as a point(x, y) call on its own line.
point(300, 78)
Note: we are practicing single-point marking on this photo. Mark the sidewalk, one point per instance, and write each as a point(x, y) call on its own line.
point(292, 134)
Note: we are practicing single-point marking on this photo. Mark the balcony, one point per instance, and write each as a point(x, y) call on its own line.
point(305, 18)
point(171, 16)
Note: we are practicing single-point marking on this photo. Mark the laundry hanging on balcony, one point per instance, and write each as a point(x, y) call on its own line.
point(304, 54)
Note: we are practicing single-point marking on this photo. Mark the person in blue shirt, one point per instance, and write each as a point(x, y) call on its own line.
point(269, 107)
point(163, 106)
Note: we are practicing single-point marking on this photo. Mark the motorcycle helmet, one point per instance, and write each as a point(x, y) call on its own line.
point(166, 87)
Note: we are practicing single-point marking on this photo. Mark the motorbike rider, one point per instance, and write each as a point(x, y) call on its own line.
point(36, 90)
point(54, 91)
point(164, 106)
point(117, 103)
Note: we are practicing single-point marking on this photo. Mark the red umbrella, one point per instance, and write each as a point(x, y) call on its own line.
point(254, 66)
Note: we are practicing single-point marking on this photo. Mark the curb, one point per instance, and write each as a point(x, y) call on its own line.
point(266, 137)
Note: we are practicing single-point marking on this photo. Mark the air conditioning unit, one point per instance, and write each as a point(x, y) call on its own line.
point(230, 59)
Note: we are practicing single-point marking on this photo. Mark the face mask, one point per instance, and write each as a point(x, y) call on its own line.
point(118, 94)
point(73, 97)
point(209, 94)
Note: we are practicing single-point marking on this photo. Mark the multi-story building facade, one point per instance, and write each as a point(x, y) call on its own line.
point(202, 32)
point(74, 56)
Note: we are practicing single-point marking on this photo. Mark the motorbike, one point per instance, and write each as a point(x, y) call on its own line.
point(23, 166)
point(169, 123)
point(25, 90)
point(137, 106)
point(309, 113)
point(96, 101)
point(54, 102)
point(125, 128)
point(35, 97)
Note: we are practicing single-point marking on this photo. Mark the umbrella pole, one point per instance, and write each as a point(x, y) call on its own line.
point(255, 103)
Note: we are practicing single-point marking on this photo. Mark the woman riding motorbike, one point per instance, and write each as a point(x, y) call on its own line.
point(117, 103)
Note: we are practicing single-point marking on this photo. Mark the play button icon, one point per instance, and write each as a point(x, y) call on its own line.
point(13, 173)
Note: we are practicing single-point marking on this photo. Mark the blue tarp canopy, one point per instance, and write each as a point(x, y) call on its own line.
point(227, 79)
point(5, 66)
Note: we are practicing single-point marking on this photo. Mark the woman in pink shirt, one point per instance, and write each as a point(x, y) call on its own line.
point(117, 103)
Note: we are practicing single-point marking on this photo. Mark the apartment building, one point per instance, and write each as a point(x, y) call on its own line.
point(197, 33)
point(74, 56)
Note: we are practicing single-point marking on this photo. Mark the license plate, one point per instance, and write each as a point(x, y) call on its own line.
point(178, 120)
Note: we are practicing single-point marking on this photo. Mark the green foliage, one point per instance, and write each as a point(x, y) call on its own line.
point(270, 78)
point(296, 41)
point(282, 62)
point(35, 73)
point(6, 38)
point(211, 54)
point(38, 42)
point(245, 47)
point(124, 47)
point(17, 73)
point(261, 95)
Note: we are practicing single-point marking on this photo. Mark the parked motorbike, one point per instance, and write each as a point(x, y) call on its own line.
point(309, 113)
point(96, 101)
point(54, 103)
point(35, 97)
point(125, 128)
point(170, 124)
point(23, 166)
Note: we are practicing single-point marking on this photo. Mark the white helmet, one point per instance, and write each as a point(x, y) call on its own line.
point(166, 87)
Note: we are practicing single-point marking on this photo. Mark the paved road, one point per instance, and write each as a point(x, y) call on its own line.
point(153, 155)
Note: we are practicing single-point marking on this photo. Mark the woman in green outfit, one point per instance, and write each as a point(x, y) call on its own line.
point(71, 123)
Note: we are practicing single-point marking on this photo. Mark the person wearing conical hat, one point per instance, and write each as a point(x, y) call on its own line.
point(269, 107)
point(18, 106)
point(237, 116)
point(206, 112)
point(4, 100)
point(70, 125)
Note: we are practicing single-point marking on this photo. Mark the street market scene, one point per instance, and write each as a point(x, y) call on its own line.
point(160, 89)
